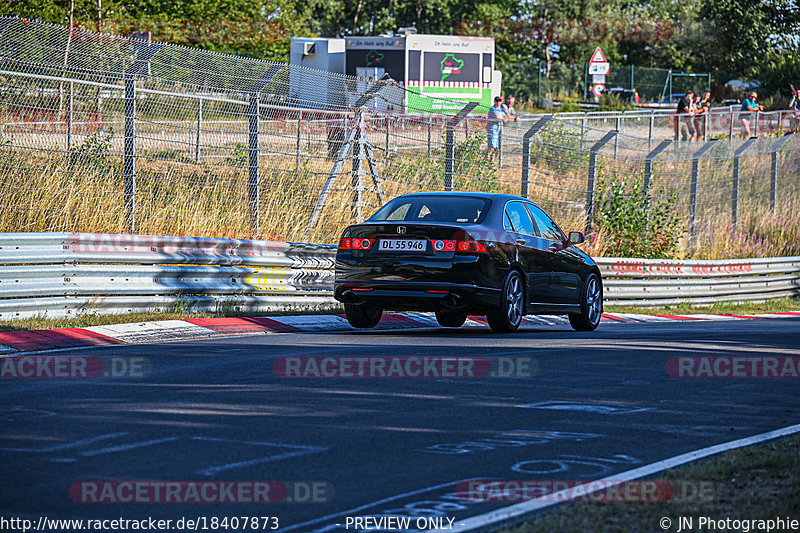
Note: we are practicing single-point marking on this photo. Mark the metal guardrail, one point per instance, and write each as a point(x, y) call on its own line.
point(70, 274)
point(654, 282)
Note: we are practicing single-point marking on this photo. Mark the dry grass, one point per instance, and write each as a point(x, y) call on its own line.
point(60, 191)
point(756, 482)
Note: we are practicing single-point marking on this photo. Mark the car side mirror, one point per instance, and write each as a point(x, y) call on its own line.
point(576, 237)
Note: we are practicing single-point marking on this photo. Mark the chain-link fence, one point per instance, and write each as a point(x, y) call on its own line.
point(535, 81)
point(107, 134)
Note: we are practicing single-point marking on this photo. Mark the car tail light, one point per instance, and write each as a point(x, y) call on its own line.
point(362, 244)
point(444, 246)
point(470, 247)
point(345, 244)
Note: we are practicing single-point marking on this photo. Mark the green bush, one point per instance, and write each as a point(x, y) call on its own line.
point(610, 102)
point(633, 222)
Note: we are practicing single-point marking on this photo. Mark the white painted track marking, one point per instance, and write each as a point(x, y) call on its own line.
point(520, 509)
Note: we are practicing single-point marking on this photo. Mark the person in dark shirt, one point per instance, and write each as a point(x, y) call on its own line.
point(794, 105)
point(686, 131)
point(702, 105)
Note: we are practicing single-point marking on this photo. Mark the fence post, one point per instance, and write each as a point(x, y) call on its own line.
point(592, 175)
point(388, 145)
point(357, 174)
point(70, 110)
point(299, 139)
point(199, 128)
point(450, 144)
point(730, 133)
point(253, 119)
point(130, 153)
point(650, 130)
point(773, 170)
point(253, 163)
point(141, 65)
point(735, 190)
point(755, 128)
point(618, 127)
point(583, 129)
point(693, 187)
point(526, 152)
point(430, 125)
point(500, 148)
point(648, 163)
point(706, 123)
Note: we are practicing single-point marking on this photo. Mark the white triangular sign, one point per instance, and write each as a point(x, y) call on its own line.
point(598, 57)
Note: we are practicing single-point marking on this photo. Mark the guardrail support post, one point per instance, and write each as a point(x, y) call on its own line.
point(450, 144)
point(773, 170)
point(526, 152)
point(130, 153)
point(736, 172)
point(693, 188)
point(253, 164)
point(592, 175)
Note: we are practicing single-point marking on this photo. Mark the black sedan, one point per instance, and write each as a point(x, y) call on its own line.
point(466, 253)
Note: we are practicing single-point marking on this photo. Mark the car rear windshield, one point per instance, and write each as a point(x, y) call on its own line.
point(450, 209)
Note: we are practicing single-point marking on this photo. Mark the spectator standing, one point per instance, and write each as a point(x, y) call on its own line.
point(686, 131)
point(508, 109)
point(748, 106)
point(794, 105)
point(702, 106)
point(497, 117)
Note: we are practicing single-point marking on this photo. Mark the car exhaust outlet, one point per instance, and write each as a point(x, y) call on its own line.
point(451, 300)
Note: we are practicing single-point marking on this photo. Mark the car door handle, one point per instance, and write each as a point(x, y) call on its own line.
point(520, 240)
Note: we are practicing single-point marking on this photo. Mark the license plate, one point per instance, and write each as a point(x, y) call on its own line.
point(402, 245)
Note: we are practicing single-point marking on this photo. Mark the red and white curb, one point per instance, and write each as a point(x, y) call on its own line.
point(193, 328)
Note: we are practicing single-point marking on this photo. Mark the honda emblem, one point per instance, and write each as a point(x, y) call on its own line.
point(401, 229)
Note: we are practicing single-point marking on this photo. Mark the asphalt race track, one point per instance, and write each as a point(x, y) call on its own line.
point(596, 404)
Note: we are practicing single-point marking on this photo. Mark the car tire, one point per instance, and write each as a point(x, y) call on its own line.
point(362, 316)
point(508, 317)
point(591, 306)
point(450, 319)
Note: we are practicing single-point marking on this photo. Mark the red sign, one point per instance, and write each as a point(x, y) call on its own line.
point(598, 57)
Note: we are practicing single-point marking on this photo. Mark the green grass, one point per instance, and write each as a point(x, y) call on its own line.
point(756, 482)
point(724, 308)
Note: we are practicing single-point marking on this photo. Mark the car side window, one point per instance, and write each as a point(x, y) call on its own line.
point(548, 229)
point(519, 218)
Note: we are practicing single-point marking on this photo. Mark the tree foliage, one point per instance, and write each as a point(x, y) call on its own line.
point(729, 38)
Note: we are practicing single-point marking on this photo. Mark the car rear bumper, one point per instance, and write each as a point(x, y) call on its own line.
point(417, 296)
